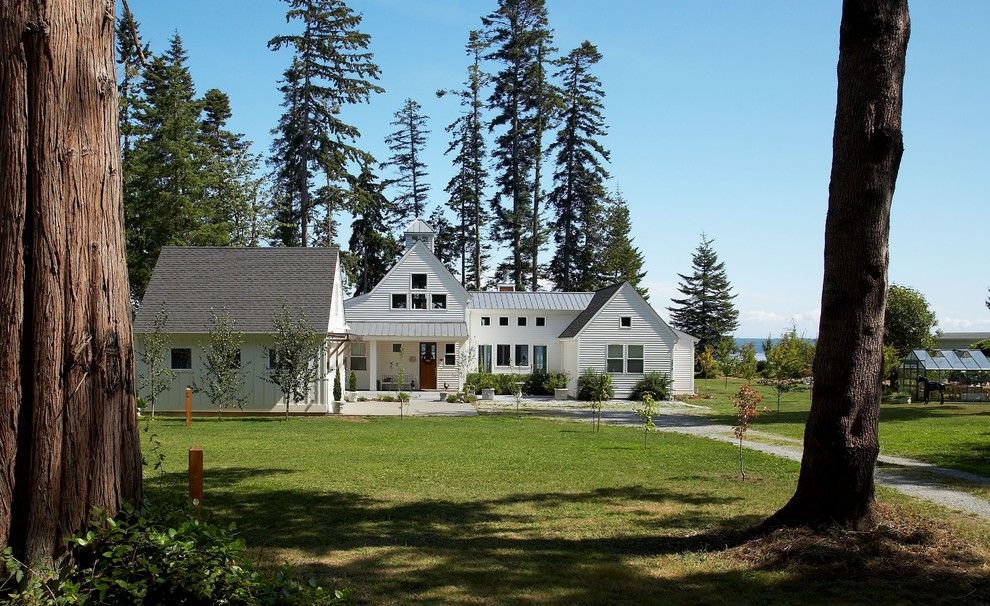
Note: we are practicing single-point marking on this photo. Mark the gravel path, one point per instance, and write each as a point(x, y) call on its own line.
point(905, 475)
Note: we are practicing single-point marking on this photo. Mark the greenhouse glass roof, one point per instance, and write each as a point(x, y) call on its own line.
point(949, 359)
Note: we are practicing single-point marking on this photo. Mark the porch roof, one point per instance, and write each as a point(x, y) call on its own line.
point(409, 329)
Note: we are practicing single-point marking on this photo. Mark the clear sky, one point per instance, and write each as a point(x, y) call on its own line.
point(720, 117)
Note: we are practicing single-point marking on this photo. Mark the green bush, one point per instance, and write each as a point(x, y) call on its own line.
point(352, 381)
point(386, 397)
point(337, 391)
point(158, 555)
point(590, 381)
point(656, 383)
point(503, 383)
point(542, 383)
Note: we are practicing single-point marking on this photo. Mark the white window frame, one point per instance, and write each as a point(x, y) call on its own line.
point(405, 297)
point(509, 346)
point(486, 320)
point(426, 301)
point(642, 359)
point(506, 318)
point(433, 300)
point(621, 327)
point(610, 358)
point(522, 321)
point(625, 358)
point(172, 349)
point(546, 357)
point(362, 356)
point(452, 353)
point(481, 358)
point(426, 286)
point(515, 353)
point(541, 321)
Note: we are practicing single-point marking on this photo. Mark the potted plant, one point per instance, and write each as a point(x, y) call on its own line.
point(337, 392)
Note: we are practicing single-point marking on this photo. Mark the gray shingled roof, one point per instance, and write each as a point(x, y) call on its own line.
point(252, 283)
point(549, 301)
point(408, 329)
point(597, 302)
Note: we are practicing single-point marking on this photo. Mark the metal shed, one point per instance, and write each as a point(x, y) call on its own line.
point(962, 367)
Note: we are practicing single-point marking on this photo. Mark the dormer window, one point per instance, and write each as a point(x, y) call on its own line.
point(417, 281)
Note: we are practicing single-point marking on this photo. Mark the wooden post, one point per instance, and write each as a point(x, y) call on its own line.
point(188, 406)
point(196, 476)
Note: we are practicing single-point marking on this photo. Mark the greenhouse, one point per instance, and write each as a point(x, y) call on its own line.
point(965, 373)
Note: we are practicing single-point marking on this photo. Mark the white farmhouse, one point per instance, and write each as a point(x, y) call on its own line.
point(417, 329)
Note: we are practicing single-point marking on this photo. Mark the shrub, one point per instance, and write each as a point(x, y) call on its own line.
point(386, 398)
point(453, 398)
point(503, 383)
point(591, 381)
point(403, 396)
point(159, 555)
point(542, 383)
point(337, 391)
point(656, 383)
point(707, 367)
point(352, 381)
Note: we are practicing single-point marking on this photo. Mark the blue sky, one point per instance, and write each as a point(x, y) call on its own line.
point(720, 117)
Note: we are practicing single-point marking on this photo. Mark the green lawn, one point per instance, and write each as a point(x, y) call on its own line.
point(497, 509)
point(955, 435)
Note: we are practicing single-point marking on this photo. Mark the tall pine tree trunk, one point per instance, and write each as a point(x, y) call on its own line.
point(68, 426)
point(840, 442)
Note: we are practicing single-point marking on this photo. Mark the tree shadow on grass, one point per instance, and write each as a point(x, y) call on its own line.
point(559, 548)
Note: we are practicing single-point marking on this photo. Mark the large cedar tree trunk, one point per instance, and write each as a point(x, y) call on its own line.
point(68, 427)
point(840, 438)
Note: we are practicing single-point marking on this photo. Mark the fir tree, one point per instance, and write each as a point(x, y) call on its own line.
point(129, 85)
point(445, 245)
point(620, 260)
point(407, 143)
point(331, 68)
point(517, 32)
point(466, 188)
point(372, 248)
point(707, 310)
point(579, 192)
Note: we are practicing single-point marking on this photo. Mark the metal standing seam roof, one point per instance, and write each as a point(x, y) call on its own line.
point(409, 329)
point(252, 283)
point(544, 301)
point(952, 359)
point(419, 226)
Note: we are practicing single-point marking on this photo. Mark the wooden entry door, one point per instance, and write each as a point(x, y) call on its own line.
point(427, 365)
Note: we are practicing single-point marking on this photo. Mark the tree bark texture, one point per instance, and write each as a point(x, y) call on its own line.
point(840, 441)
point(68, 425)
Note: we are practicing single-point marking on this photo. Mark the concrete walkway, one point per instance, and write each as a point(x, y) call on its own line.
point(415, 408)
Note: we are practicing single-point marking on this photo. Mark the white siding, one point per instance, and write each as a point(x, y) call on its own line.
point(376, 306)
point(513, 334)
point(263, 397)
point(684, 366)
point(647, 330)
point(389, 362)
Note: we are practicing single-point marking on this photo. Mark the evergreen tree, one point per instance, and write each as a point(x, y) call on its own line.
point(707, 310)
point(129, 86)
point(373, 249)
point(467, 187)
point(445, 245)
point(407, 143)
point(579, 191)
point(331, 68)
point(517, 32)
point(620, 260)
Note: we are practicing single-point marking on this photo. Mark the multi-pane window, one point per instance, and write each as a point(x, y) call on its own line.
point(486, 320)
point(417, 281)
point(419, 301)
point(613, 359)
point(181, 358)
point(484, 358)
point(359, 356)
point(634, 359)
point(522, 355)
point(625, 322)
point(541, 321)
point(503, 355)
point(503, 321)
point(540, 358)
point(438, 301)
point(450, 354)
point(399, 301)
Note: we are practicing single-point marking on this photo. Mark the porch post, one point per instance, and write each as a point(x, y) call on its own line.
point(372, 365)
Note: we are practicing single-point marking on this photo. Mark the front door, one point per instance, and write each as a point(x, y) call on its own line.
point(427, 365)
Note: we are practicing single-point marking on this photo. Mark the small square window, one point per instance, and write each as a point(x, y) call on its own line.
point(521, 321)
point(503, 321)
point(486, 320)
point(419, 301)
point(399, 301)
point(396, 347)
point(417, 281)
point(625, 322)
point(450, 354)
point(541, 321)
point(181, 358)
point(439, 301)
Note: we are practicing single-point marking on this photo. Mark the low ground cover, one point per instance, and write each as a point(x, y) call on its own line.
point(496, 509)
point(954, 435)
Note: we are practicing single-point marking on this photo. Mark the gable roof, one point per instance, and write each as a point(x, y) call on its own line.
point(419, 226)
point(598, 301)
point(252, 283)
point(549, 301)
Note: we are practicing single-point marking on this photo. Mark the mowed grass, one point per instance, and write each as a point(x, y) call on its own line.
point(498, 509)
point(955, 435)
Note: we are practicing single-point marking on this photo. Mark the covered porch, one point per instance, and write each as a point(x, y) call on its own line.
point(406, 356)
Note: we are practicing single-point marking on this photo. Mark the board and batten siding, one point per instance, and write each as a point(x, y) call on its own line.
point(376, 306)
point(647, 330)
point(683, 366)
point(513, 334)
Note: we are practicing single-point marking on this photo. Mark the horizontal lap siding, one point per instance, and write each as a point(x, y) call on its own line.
point(603, 329)
point(513, 334)
point(684, 366)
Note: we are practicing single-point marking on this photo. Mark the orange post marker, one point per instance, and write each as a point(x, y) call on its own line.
point(196, 476)
point(188, 406)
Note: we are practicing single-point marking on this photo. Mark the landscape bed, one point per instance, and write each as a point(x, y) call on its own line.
point(497, 509)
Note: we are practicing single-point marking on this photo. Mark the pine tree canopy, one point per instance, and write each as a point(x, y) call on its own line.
point(372, 248)
point(407, 143)
point(620, 260)
point(707, 310)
